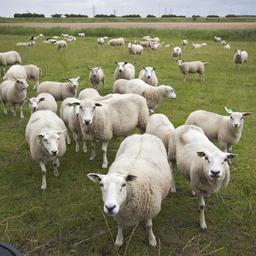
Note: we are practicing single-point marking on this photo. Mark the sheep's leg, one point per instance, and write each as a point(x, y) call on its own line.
point(4, 106)
point(36, 84)
point(21, 110)
point(43, 172)
point(68, 138)
point(56, 165)
point(151, 236)
point(93, 155)
point(75, 137)
point(173, 187)
point(104, 148)
point(119, 238)
point(201, 205)
point(13, 109)
point(84, 146)
point(229, 148)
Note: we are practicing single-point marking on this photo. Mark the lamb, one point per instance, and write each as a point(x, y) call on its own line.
point(184, 43)
point(135, 49)
point(61, 44)
point(124, 70)
point(114, 117)
point(176, 52)
point(58, 90)
point(100, 41)
point(43, 101)
point(69, 112)
point(116, 42)
point(15, 72)
point(226, 129)
point(33, 72)
point(148, 75)
point(81, 34)
point(46, 140)
point(137, 182)
point(14, 92)
point(96, 76)
point(240, 57)
point(227, 46)
point(195, 46)
point(201, 162)
point(152, 94)
point(191, 67)
point(9, 58)
point(217, 39)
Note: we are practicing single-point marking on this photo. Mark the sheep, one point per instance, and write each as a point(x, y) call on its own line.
point(29, 43)
point(227, 46)
point(204, 44)
point(195, 46)
point(146, 38)
point(137, 182)
point(46, 136)
point(61, 44)
point(152, 94)
point(176, 52)
point(124, 70)
point(160, 126)
point(15, 72)
point(154, 46)
point(96, 76)
point(217, 39)
point(135, 49)
point(240, 57)
point(201, 162)
point(33, 72)
point(9, 58)
point(223, 42)
point(14, 92)
point(184, 42)
point(92, 94)
point(191, 67)
point(70, 38)
point(167, 46)
point(148, 75)
point(100, 41)
point(69, 112)
point(81, 34)
point(43, 101)
point(114, 117)
point(58, 90)
point(50, 41)
point(116, 42)
point(145, 43)
point(105, 37)
point(226, 129)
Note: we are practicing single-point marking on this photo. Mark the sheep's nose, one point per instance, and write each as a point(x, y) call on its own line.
point(236, 125)
point(34, 109)
point(54, 152)
point(148, 77)
point(110, 208)
point(86, 122)
point(215, 173)
point(120, 70)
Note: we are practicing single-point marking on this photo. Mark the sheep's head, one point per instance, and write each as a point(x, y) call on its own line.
point(148, 71)
point(236, 118)
point(76, 106)
point(94, 71)
point(50, 141)
point(73, 82)
point(21, 84)
point(238, 53)
point(121, 66)
point(87, 111)
point(179, 62)
point(215, 164)
point(169, 91)
point(34, 103)
point(114, 190)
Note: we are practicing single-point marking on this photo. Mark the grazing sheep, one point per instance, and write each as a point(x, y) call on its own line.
point(116, 42)
point(145, 43)
point(217, 39)
point(154, 45)
point(81, 34)
point(184, 43)
point(92, 94)
point(96, 76)
point(61, 44)
point(191, 67)
point(137, 182)
point(33, 72)
point(240, 57)
point(9, 58)
point(124, 70)
point(227, 46)
point(135, 49)
point(201, 162)
point(226, 129)
point(204, 44)
point(146, 38)
point(148, 75)
point(100, 41)
point(152, 94)
point(43, 101)
point(15, 72)
point(176, 52)
point(30, 43)
point(58, 90)
point(14, 92)
point(114, 117)
point(195, 46)
point(50, 41)
point(46, 136)
point(223, 42)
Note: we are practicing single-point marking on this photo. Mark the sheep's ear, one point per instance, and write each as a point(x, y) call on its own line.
point(90, 69)
point(144, 67)
point(235, 50)
point(125, 63)
point(201, 154)
point(77, 78)
point(98, 104)
point(115, 62)
point(246, 113)
point(62, 131)
point(130, 178)
point(41, 99)
point(228, 110)
point(95, 177)
point(230, 155)
point(153, 69)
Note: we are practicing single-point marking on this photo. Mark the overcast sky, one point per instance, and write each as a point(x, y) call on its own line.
point(122, 7)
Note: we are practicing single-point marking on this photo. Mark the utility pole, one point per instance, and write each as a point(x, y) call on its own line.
point(93, 10)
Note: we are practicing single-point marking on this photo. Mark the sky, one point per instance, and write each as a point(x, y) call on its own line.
point(119, 7)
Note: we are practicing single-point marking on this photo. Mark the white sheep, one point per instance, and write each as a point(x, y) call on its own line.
point(167, 46)
point(226, 129)
point(201, 162)
point(217, 39)
point(240, 57)
point(114, 117)
point(116, 42)
point(176, 52)
point(227, 46)
point(96, 76)
point(81, 34)
point(204, 44)
point(50, 41)
point(145, 43)
point(9, 58)
point(152, 94)
point(135, 49)
point(196, 46)
point(223, 42)
point(58, 90)
point(33, 72)
point(137, 182)
point(43, 101)
point(100, 41)
point(15, 72)
point(124, 70)
point(154, 45)
point(92, 94)
point(61, 44)
point(184, 42)
point(14, 92)
point(146, 38)
point(148, 75)
point(46, 136)
point(191, 67)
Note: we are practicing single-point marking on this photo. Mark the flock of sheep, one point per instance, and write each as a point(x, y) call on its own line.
point(143, 171)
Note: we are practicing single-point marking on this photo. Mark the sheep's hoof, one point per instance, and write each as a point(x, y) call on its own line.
point(43, 187)
point(77, 148)
point(105, 165)
point(84, 149)
point(203, 227)
point(173, 190)
point(152, 242)
point(193, 193)
point(56, 173)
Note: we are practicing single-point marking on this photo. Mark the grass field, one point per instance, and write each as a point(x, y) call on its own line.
point(68, 219)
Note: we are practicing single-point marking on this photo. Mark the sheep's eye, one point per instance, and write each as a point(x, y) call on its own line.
point(81, 108)
point(45, 140)
point(207, 159)
point(226, 159)
point(231, 117)
point(241, 118)
point(124, 184)
point(101, 184)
